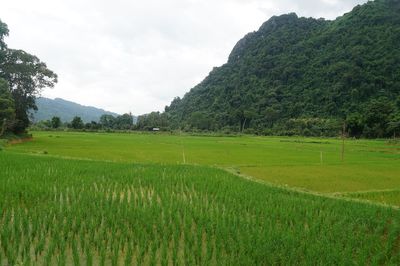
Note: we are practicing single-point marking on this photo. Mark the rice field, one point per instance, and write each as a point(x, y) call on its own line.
point(63, 211)
point(387, 197)
point(308, 164)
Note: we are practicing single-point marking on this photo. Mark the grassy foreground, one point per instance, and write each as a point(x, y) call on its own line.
point(369, 166)
point(74, 212)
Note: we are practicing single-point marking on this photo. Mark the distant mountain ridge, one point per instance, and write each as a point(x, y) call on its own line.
point(66, 110)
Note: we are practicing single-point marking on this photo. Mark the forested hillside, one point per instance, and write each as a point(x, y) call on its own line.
point(67, 110)
point(305, 76)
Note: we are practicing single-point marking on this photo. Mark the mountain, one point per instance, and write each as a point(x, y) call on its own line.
point(305, 76)
point(66, 110)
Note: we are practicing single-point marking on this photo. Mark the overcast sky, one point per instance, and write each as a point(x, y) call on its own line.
point(136, 56)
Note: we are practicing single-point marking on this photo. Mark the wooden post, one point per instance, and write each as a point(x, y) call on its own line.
point(320, 156)
point(244, 123)
point(343, 138)
point(183, 154)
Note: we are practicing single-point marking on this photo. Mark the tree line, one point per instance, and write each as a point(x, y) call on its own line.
point(106, 122)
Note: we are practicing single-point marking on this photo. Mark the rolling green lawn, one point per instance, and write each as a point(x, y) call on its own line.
point(305, 163)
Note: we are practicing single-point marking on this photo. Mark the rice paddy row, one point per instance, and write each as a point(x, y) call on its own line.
point(79, 212)
point(309, 164)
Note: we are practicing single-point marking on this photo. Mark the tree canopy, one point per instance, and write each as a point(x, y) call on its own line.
point(77, 123)
point(26, 76)
point(55, 122)
point(7, 110)
point(152, 120)
point(305, 76)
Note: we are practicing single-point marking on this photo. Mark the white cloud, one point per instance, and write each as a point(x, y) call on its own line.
point(137, 56)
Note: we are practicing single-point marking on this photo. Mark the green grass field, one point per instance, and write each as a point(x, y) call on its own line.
point(155, 199)
point(77, 212)
point(304, 163)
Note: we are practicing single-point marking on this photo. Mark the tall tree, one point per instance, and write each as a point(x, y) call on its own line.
point(107, 121)
point(77, 123)
point(3, 33)
point(26, 76)
point(55, 122)
point(7, 111)
point(124, 121)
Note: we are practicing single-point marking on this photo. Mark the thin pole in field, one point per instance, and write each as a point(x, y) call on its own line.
point(320, 157)
point(343, 138)
point(183, 147)
point(183, 154)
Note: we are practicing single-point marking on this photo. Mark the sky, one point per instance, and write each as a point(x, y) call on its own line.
point(136, 56)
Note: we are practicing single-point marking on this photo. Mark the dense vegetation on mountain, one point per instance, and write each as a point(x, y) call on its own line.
point(305, 76)
point(22, 76)
point(107, 120)
point(67, 110)
point(152, 120)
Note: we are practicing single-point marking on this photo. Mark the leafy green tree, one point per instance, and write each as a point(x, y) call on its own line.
point(3, 33)
point(248, 116)
point(77, 123)
point(55, 122)
point(26, 76)
point(93, 125)
point(48, 124)
point(394, 125)
point(124, 121)
point(107, 121)
point(7, 112)
point(200, 120)
point(152, 120)
point(355, 124)
point(270, 116)
point(44, 124)
point(377, 117)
